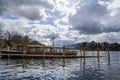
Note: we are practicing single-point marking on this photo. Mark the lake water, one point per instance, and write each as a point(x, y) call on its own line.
point(62, 69)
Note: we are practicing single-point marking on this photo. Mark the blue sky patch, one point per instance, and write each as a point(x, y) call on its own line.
point(8, 16)
point(50, 20)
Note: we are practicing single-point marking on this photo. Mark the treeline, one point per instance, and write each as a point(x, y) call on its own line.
point(101, 46)
point(12, 39)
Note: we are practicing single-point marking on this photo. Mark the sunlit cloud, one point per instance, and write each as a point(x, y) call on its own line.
point(70, 21)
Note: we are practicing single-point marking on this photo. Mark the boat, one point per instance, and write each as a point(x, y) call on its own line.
point(39, 51)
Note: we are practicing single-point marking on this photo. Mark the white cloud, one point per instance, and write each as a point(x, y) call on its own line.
point(114, 4)
point(71, 21)
point(66, 8)
point(13, 25)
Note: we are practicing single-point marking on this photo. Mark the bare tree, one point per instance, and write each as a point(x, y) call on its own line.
point(1, 31)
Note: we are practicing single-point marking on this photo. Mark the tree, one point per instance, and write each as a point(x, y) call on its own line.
point(26, 39)
point(1, 32)
point(17, 38)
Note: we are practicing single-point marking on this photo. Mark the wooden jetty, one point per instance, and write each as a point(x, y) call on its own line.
point(45, 56)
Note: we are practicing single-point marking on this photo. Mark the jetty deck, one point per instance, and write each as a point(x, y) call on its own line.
point(45, 56)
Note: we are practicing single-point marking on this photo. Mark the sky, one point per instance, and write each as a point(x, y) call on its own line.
point(69, 21)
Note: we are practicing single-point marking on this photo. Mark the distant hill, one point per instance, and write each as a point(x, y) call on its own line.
point(74, 45)
point(94, 46)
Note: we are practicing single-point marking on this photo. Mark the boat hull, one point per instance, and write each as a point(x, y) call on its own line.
point(37, 54)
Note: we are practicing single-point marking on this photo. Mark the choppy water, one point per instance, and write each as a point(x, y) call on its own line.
point(62, 69)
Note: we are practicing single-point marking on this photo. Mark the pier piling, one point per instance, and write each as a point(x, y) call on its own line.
point(108, 56)
point(98, 55)
point(84, 58)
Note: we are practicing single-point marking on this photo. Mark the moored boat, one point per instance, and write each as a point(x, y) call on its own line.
point(39, 51)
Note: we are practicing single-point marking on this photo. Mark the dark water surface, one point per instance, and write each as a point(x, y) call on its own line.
point(62, 69)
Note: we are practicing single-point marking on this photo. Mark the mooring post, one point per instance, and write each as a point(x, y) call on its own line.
point(84, 53)
point(23, 63)
point(80, 57)
point(44, 51)
point(43, 62)
point(63, 62)
point(64, 50)
point(84, 58)
point(108, 56)
point(81, 54)
point(8, 59)
point(98, 55)
point(24, 50)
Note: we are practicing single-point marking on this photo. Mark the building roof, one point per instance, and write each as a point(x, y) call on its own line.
point(42, 46)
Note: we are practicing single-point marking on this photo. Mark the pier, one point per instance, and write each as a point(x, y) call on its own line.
point(46, 56)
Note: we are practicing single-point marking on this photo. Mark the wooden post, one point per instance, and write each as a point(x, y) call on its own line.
point(108, 57)
point(23, 63)
point(81, 55)
point(24, 50)
point(43, 51)
point(98, 52)
point(84, 53)
point(84, 59)
point(98, 55)
point(43, 63)
point(64, 50)
point(63, 62)
point(8, 59)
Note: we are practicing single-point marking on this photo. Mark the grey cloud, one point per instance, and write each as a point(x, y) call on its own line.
point(29, 3)
point(18, 8)
point(29, 13)
point(88, 19)
point(2, 7)
point(96, 28)
point(88, 27)
point(51, 35)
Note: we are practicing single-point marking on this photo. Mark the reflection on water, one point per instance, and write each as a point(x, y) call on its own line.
point(100, 68)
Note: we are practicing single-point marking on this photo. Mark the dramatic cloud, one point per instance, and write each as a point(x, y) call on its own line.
point(95, 17)
point(70, 21)
point(30, 9)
